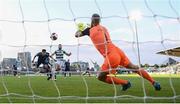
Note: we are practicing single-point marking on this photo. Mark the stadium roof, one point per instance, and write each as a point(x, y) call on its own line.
point(171, 52)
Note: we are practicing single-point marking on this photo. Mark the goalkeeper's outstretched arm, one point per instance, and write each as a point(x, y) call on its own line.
point(68, 54)
point(82, 33)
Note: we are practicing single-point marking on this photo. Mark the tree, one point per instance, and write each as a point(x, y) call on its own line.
point(146, 65)
point(156, 66)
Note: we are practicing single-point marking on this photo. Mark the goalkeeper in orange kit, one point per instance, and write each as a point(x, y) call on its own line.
point(113, 56)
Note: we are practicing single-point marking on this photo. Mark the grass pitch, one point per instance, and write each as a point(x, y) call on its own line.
point(73, 90)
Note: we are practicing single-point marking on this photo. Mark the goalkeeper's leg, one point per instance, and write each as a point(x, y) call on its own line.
point(112, 62)
point(126, 63)
point(145, 75)
point(104, 76)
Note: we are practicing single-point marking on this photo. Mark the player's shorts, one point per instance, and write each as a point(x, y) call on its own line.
point(67, 69)
point(60, 62)
point(115, 58)
point(42, 62)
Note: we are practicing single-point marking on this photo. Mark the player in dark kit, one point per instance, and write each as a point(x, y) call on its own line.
point(14, 70)
point(67, 68)
point(87, 72)
point(43, 58)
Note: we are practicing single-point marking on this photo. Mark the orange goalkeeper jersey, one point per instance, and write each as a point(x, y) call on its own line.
point(101, 39)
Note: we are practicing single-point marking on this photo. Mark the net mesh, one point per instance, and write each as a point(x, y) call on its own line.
point(53, 15)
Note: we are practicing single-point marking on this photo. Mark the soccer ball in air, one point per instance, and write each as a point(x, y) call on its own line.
point(54, 36)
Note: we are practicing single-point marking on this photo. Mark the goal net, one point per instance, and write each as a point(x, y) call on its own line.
point(141, 28)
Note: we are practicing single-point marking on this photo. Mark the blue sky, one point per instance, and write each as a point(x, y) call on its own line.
point(113, 13)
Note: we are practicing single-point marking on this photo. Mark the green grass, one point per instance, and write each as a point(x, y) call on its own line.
point(76, 88)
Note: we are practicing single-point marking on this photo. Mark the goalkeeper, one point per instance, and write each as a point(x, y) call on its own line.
point(113, 56)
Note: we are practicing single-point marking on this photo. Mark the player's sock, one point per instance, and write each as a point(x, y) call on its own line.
point(49, 77)
point(116, 81)
point(145, 75)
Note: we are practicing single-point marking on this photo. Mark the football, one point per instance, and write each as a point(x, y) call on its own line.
point(54, 36)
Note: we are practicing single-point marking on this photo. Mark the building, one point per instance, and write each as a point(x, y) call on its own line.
point(25, 58)
point(81, 66)
point(7, 63)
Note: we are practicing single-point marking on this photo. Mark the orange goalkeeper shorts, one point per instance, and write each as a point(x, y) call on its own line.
point(116, 57)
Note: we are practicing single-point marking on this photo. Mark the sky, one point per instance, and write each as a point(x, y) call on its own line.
point(62, 13)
